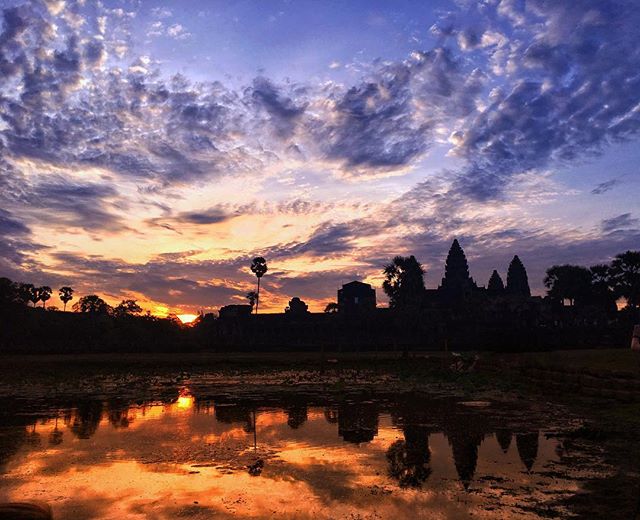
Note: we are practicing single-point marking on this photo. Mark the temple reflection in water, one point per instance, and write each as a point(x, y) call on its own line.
point(408, 427)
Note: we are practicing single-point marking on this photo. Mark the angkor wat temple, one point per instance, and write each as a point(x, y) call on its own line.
point(459, 314)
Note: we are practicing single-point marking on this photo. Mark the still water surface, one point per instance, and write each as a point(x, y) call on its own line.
point(356, 456)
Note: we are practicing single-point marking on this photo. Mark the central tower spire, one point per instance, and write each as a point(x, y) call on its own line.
point(457, 284)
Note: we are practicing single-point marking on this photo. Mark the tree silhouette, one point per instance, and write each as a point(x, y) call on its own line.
point(601, 276)
point(23, 292)
point(171, 317)
point(296, 306)
point(55, 437)
point(31, 292)
point(517, 280)
point(331, 308)
point(259, 268)
point(66, 295)
point(44, 293)
point(8, 292)
point(127, 308)
point(625, 271)
point(568, 282)
point(91, 304)
point(358, 421)
point(252, 296)
point(404, 282)
point(409, 459)
point(296, 415)
point(603, 285)
point(86, 419)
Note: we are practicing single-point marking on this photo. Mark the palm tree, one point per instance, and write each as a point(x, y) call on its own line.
point(259, 268)
point(44, 293)
point(66, 295)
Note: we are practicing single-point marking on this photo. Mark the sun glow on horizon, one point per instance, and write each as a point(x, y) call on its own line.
point(187, 318)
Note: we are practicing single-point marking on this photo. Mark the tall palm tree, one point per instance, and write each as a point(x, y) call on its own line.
point(66, 295)
point(259, 268)
point(45, 293)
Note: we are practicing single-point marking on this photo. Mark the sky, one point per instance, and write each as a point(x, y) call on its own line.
point(150, 150)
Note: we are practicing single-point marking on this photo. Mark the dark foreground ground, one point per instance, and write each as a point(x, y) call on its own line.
point(599, 388)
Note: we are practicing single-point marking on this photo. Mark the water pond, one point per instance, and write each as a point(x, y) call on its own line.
point(202, 450)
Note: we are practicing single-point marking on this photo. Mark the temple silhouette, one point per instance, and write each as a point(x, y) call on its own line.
point(357, 298)
point(458, 314)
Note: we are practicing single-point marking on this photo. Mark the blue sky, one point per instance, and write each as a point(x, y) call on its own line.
point(285, 39)
point(150, 149)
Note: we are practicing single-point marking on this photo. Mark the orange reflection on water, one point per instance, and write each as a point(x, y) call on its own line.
point(185, 400)
point(155, 461)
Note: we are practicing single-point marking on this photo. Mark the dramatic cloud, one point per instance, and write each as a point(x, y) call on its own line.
point(282, 110)
point(16, 246)
point(11, 226)
point(81, 205)
point(375, 124)
point(327, 240)
point(569, 87)
point(106, 153)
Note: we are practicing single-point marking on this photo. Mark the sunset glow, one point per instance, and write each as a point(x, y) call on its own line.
point(150, 468)
point(185, 401)
point(261, 259)
point(163, 145)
